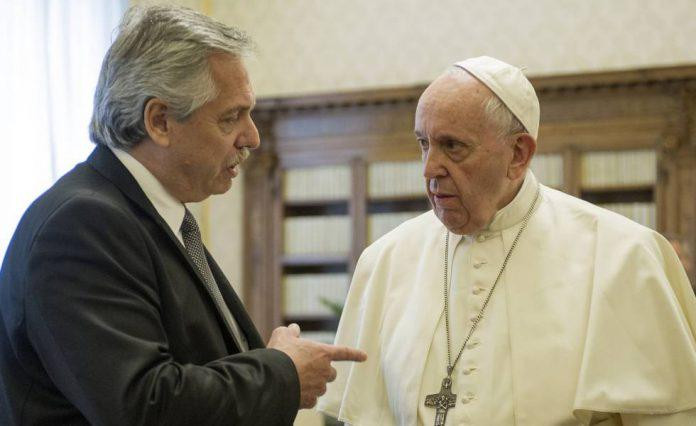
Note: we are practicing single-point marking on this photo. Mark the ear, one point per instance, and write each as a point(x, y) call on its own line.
point(523, 148)
point(156, 118)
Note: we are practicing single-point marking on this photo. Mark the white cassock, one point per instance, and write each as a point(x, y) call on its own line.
point(593, 316)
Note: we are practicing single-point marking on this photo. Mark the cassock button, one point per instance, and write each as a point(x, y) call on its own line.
point(468, 371)
point(468, 398)
point(472, 343)
point(477, 290)
point(481, 238)
point(479, 263)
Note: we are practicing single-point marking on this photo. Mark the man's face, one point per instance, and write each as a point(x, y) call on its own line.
point(207, 147)
point(465, 163)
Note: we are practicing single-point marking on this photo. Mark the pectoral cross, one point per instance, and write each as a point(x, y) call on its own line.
point(442, 401)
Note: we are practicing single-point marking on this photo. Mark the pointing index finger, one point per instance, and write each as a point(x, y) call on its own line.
point(344, 353)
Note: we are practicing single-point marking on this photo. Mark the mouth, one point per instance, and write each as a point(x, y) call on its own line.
point(443, 200)
point(233, 165)
point(233, 168)
point(442, 196)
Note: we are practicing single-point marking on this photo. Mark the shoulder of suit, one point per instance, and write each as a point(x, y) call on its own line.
point(77, 193)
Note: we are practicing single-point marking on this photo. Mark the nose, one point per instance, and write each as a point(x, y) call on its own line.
point(432, 164)
point(250, 136)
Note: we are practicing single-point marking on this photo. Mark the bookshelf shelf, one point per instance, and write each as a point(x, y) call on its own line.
point(415, 203)
point(617, 188)
point(635, 194)
point(624, 140)
point(313, 322)
point(303, 260)
point(316, 208)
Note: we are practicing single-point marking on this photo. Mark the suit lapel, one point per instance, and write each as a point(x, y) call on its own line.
point(105, 163)
point(235, 305)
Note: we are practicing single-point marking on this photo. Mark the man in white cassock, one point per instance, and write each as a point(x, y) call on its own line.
point(511, 303)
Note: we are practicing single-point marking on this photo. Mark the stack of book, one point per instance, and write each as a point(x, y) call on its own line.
point(548, 169)
point(317, 183)
point(317, 235)
point(303, 293)
point(608, 169)
point(395, 179)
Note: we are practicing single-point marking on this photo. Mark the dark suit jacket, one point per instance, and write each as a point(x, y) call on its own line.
point(105, 319)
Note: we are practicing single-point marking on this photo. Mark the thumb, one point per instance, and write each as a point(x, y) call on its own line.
point(294, 329)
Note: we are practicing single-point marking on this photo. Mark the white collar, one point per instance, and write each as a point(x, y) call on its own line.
point(514, 211)
point(169, 208)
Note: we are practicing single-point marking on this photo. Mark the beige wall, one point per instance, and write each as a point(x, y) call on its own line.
point(328, 45)
point(312, 46)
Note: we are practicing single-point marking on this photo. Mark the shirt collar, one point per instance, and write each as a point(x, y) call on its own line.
point(514, 212)
point(169, 208)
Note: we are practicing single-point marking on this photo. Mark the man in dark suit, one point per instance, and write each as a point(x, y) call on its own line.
point(113, 313)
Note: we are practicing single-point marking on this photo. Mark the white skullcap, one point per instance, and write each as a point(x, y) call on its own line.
point(510, 85)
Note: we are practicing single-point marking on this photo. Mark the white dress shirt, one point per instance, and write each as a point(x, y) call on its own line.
point(169, 208)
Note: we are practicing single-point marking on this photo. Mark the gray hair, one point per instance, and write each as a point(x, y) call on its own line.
point(496, 112)
point(160, 52)
point(499, 116)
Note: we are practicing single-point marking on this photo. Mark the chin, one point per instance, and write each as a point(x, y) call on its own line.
point(196, 198)
point(457, 230)
point(450, 223)
point(221, 187)
point(454, 224)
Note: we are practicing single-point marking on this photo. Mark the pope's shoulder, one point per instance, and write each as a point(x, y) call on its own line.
point(562, 210)
point(588, 217)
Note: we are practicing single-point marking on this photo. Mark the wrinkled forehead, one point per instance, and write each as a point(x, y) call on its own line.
point(455, 93)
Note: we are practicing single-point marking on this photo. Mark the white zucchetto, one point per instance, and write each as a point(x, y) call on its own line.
point(510, 85)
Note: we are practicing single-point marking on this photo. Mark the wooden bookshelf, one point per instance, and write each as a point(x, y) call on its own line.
point(313, 322)
point(398, 204)
point(648, 109)
point(315, 207)
point(326, 261)
point(626, 194)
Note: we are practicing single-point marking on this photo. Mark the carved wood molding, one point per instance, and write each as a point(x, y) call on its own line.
point(668, 78)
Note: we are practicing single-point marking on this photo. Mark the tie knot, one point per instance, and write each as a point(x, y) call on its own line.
point(189, 224)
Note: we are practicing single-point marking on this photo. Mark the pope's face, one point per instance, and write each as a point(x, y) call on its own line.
point(208, 146)
point(465, 163)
